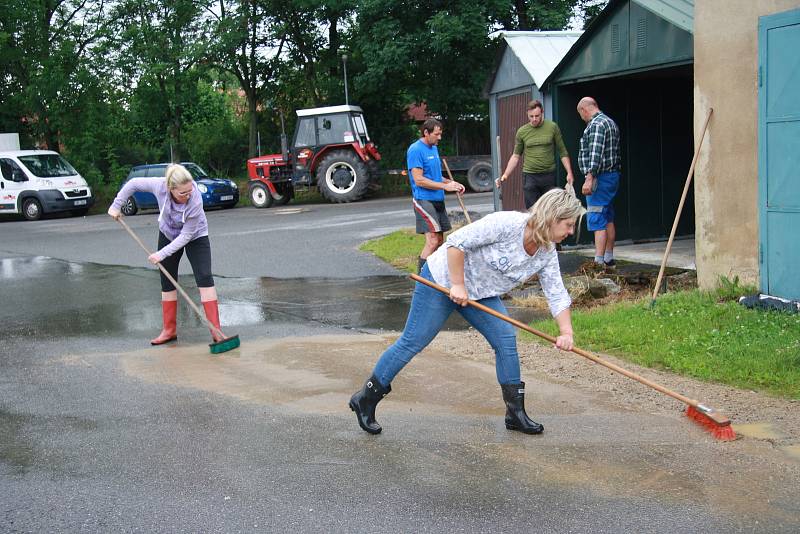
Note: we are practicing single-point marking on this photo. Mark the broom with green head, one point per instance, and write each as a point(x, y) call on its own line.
point(227, 343)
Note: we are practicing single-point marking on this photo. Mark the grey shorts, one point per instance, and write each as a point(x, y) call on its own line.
point(431, 216)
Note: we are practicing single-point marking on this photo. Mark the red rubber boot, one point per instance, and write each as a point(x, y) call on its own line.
point(212, 314)
point(169, 313)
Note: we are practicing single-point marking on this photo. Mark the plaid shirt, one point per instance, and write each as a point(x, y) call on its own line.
point(600, 146)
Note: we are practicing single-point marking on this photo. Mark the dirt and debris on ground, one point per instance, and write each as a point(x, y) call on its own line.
point(592, 285)
point(762, 416)
point(759, 415)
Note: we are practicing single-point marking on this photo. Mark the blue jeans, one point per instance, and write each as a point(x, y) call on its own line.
point(429, 311)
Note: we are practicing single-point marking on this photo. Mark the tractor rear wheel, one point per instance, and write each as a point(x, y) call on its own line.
point(260, 196)
point(342, 176)
point(285, 193)
point(479, 177)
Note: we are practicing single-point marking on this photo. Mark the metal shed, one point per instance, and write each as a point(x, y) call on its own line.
point(636, 60)
point(524, 61)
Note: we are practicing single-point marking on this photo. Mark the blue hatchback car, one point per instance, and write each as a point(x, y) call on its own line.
point(217, 192)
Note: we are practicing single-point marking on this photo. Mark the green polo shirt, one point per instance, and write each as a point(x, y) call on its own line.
point(536, 146)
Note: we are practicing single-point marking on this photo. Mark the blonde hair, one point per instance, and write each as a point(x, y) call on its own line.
point(553, 206)
point(177, 175)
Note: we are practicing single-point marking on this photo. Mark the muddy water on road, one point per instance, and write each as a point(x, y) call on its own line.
point(444, 403)
point(443, 421)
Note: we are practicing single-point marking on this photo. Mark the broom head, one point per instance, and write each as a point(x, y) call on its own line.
point(716, 423)
point(225, 345)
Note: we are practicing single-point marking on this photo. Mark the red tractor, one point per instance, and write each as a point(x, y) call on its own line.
point(331, 150)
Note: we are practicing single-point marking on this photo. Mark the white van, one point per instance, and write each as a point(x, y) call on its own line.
point(34, 182)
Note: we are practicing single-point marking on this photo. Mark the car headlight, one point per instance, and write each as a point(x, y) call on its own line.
point(233, 184)
point(202, 188)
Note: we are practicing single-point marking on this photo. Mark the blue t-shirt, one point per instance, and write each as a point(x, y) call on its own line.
point(422, 156)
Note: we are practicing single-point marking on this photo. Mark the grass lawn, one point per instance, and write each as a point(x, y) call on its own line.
point(401, 249)
point(706, 335)
point(703, 334)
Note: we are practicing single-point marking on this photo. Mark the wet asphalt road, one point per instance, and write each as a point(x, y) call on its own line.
point(100, 433)
point(296, 241)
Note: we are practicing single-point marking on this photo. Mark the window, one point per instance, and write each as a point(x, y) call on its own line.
point(335, 129)
point(138, 173)
point(361, 128)
point(48, 165)
point(195, 170)
point(157, 171)
point(11, 171)
point(306, 133)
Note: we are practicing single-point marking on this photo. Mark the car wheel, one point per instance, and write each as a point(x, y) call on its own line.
point(129, 208)
point(342, 176)
point(259, 196)
point(31, 209)
point(479, 177)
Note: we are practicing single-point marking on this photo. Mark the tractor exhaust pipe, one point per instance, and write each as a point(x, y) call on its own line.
point(284, 142)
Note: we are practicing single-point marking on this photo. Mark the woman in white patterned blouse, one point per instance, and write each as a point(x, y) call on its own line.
point(482, 261)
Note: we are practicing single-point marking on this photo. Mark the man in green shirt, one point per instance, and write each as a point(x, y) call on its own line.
point(537, 141)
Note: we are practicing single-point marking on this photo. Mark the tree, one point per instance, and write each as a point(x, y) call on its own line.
point(162, 44)
point(44, 48)
point(215, 134)
point(246, 45)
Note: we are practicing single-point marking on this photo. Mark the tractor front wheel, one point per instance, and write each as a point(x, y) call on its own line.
point(259, 196)
point(342, 176)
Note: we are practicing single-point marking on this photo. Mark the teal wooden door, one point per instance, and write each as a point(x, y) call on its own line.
point(779, 153)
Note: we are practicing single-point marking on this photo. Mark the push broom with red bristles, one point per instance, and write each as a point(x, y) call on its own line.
point(712, 420)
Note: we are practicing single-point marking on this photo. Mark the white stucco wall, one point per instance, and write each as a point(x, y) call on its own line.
point(726, 173)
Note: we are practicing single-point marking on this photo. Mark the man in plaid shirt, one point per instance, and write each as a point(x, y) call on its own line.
point(599, 160)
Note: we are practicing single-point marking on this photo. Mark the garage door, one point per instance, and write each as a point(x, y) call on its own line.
point(779, 157)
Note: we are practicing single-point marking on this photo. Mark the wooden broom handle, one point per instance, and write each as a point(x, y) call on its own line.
point(680, 205)
point(458, 195)
point(171, 279)
point(576, 350)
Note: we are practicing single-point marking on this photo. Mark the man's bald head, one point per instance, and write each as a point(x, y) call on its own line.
point(587, 107)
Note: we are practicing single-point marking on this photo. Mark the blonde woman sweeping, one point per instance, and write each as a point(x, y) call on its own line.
point(182, 226)
point(482, 261)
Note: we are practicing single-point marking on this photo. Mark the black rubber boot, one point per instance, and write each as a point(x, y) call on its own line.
point(364, 401)
point(516, 418)
point(420, 264)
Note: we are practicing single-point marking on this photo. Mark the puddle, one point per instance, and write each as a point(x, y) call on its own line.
point(793, 451)
point(55, 298)
point(765, 431)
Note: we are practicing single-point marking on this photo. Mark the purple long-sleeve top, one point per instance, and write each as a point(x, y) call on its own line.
point(181, 223)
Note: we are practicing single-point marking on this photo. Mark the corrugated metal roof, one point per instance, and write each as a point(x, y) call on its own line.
point(540, 52)
point(678, 12)
point(329, 109)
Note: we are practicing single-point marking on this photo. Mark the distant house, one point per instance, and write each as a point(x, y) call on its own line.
point(524, 62)
point(466, 133)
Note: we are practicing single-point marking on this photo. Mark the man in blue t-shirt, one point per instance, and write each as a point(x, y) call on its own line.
point(428, 187)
